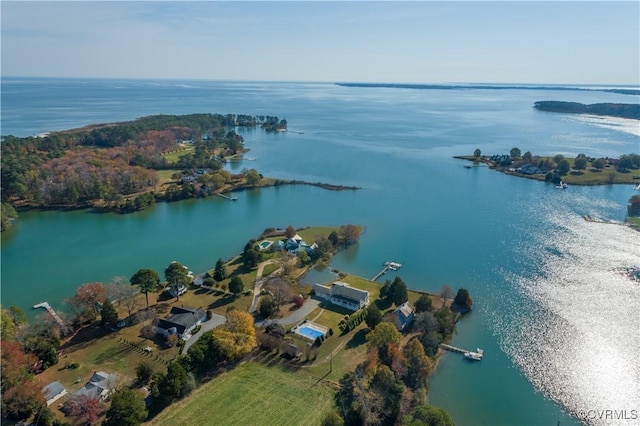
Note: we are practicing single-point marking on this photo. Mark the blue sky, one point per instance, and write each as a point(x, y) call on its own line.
point(405, 42)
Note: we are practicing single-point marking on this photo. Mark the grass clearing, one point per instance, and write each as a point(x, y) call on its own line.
point(173, 156)
point(253, 394)
point(165, 177)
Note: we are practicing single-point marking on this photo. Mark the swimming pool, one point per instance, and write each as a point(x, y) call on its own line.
point(265, 244)
point(311, 331)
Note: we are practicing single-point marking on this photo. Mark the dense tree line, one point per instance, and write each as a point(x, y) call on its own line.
point(106, 162)
point(609, 109)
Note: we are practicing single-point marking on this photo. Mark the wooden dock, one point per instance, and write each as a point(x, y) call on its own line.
point(381, 273)
point(53, 313)
point(394, 266)
point(228, 198)
point(453, 348)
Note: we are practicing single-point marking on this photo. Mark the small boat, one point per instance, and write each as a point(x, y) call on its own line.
point(474, 356)
point(562, 185)
point(394, 266)
point(467, 166)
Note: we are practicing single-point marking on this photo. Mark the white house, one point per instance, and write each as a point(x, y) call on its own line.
point(342, 294)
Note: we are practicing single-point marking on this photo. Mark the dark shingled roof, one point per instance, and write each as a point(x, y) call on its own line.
point(182, 319)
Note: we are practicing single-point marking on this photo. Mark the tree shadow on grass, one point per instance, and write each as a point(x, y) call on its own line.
point(86, 335)
point(223, 301)
point(359, 338)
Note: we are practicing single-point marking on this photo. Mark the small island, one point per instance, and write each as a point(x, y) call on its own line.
point(603, 109)
point(561, 171)
point(129, 166)
point(246, 334)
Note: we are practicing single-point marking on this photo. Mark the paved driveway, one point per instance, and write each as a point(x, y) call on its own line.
point(215, 321)
point(297, 315)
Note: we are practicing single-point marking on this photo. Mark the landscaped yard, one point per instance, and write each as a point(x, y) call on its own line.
point(253, 394)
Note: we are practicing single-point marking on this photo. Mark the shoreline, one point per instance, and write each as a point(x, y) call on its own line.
point(98, 208)
point(602, 177)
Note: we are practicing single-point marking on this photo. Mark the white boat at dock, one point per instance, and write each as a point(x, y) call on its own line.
point(394, 266)
point(474, 356)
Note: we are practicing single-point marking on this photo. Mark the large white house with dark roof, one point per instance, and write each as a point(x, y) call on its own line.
point(342, 294)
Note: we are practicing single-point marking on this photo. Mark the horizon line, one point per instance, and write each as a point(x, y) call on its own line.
point(31, 77)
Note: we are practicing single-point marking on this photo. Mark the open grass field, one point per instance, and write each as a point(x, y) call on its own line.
point(173, 156)
point(253, 394)
point(96, 349)
point(165, 177)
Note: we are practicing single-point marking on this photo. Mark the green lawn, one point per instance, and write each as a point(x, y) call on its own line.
point(165, 176)
point(173, 156)
point(253, 394)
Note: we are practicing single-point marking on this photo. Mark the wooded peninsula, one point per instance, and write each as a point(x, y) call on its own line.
point(604, 109)
point(128, 166)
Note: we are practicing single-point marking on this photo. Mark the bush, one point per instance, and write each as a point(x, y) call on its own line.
point(144, 371)
point(73, 366)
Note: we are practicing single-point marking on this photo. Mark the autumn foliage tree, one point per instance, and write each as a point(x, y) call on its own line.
point(350, 234)
point(85, 304)
point(290, 231)
point(86, 408)
point(21, 395)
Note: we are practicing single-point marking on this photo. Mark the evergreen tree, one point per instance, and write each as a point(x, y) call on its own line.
point(108, 314)
point(236, 286)
point(423, 304)
point(373, 316)
point(148, 281)
point(220, 272)
point(127, 409)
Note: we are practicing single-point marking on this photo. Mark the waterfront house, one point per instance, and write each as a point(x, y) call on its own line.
point(99, 386)
point(293, 243)
point(529, 169)
point(53, 392)
point(403, 315)
point(342, 294)
point(181, 322)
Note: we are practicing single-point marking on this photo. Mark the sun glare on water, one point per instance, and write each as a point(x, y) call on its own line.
point(578, 335)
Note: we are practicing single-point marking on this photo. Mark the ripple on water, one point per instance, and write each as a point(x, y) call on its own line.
point(577, 336)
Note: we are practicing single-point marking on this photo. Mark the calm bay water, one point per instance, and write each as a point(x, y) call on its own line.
point(555, 313)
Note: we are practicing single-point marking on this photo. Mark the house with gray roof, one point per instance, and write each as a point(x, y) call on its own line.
point(53, 392)
point(403, 315)
point(99, 386)
point(342, 294)
point(181, 322)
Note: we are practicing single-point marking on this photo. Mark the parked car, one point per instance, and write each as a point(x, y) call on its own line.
point(171, 290)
